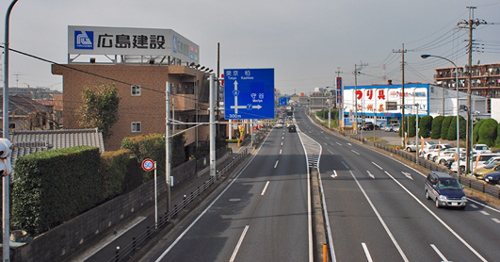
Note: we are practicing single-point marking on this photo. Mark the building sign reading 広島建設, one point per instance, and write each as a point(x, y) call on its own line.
point(130, 41)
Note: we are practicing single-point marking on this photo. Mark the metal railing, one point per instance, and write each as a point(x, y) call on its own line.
point(126, 252)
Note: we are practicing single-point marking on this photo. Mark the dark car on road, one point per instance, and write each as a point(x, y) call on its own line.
point(444, 190)
point(292, 128)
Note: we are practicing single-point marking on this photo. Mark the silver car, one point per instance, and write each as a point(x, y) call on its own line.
point(392, 127)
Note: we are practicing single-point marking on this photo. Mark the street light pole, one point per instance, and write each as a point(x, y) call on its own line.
point(458, 106)
point(6, 179)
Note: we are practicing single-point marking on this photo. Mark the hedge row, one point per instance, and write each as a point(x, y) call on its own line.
point(485, 131)
point(55, 186)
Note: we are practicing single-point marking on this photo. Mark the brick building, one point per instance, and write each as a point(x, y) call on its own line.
point(142, 89)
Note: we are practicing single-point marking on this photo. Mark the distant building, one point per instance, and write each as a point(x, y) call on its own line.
point(485, 80)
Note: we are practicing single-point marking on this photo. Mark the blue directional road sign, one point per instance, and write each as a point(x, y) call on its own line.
point(283, 101)
point(249, 93)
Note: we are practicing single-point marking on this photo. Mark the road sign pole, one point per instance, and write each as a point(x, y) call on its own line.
point(212, 127)
point(167, 148)
point(156, 201)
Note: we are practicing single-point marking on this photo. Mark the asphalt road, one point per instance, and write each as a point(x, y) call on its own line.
point(262, 215)
point(378, 212)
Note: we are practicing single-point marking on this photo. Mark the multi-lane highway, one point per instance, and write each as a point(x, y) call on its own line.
point(378, 212)
point(262, 215)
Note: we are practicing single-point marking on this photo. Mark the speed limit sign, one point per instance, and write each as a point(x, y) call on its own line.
point(148, 165)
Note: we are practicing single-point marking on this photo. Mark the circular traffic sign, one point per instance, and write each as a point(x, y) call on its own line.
point(148, 165)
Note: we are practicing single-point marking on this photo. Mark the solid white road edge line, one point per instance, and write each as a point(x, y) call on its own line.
point(208, 207)
point(391, 236)
point(265, 188)
point(367, 252)
point(438, 219)
point(237, 248)
point(443, 258)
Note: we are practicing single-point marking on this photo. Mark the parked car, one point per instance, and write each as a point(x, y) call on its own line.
point(492, 177)
point(427, 145)
point(413, 147)
point(494, 157)
point(366, 126)
point(444, 190)
point(480, 173)
point(476, 161)
point(447, 158)
point(480, 149)
point(449, 151)
point(391, 127)
point(428, 153)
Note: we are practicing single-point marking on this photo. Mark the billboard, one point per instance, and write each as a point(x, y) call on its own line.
point(94, 40)
point(372, 99)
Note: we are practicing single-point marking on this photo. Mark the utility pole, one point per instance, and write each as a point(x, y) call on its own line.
point(356, 72)
point(402, 51)
point(470, 24)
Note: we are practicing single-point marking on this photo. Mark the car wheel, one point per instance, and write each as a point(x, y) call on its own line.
point(442, 162)
point(462, 169)
point(437, 204)
point(434, 158)
point(408, 149)
point(428, 157)
point(427, 195)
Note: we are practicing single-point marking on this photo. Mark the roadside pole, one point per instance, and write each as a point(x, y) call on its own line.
point(167, 148)
point(212, 126)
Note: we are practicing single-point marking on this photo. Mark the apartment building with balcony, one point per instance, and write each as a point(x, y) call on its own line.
point(485, 80)
point(142, 89)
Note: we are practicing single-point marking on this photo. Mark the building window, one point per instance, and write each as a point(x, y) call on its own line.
point(12, 125)
point(136, 127)
point(136, 90)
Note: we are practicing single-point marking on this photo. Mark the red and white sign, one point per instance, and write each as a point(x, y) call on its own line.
point(148, 165)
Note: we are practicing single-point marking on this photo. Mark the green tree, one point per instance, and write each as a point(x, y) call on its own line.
point(424, 126)
point(437, 122)
point(445, 125)
point(99, 108)
point(452, 130)
point(488, 132)
point(475, 131)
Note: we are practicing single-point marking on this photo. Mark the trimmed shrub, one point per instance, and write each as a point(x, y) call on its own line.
point(54, 186)
point(437, 122)
point(488, 132)
point(497, 141)
point(445, 125)
point(113, 172)
point(452, 130)
point(424, 125)
point(475, 131)
point(412, 128)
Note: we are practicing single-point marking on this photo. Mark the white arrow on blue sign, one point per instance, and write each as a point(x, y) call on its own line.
point(249, 93)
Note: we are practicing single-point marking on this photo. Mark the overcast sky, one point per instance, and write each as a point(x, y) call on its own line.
point(306, 42)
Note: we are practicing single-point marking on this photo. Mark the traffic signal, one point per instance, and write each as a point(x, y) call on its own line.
point(222, 80)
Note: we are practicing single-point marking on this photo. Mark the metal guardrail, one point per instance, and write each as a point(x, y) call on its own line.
point(464, 180)
point(126, 252)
